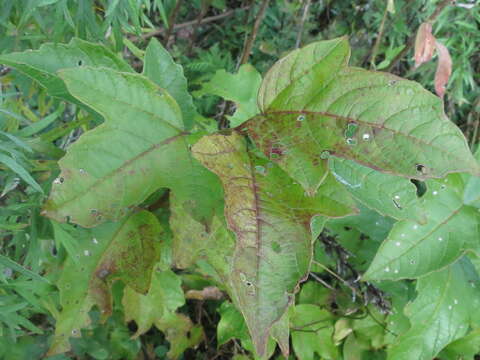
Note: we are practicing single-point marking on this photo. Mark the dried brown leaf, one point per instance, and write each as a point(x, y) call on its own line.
point(444, 69)
point(424, 44)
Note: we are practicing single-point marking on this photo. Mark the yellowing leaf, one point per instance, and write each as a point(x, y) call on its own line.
point(270, 216)
point(125, 250)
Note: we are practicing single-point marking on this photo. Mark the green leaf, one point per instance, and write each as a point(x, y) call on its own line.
point(42, 64)
point(412, 250)
point(464, 348)
point(126, 250)
point(441, 312)
point(119, 164)
point(181, 333)
point(314, 106)
point(20, 171)
point(9, 263)
point(193, 241)
point(164, 297)
point(162, 70)
point(232, 326)
point(387, 194)
point(270, 216)
point(312, 332)
point(472, 188)
point(241, 88)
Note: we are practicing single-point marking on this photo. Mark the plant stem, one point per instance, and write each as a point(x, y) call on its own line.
point(302, 23)
point(191, 23)
point(411, 40)
point(247, 49)
point(171, 21)
point(193, 36)
point(379, 38)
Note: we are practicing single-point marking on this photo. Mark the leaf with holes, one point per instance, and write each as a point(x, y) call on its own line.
point(412, 250)
point(314, 106)
point(270, 216)
point(441, 312)
point(126, 250)
point(43, 64)
point(118, 165)
point(387, 194)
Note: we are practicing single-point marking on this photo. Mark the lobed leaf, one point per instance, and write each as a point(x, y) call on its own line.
point(140, 148)
point(42, 64)
point(270, 216)
point(126, 250)
point(314, 106)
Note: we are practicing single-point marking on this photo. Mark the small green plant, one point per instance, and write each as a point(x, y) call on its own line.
point(314, 149)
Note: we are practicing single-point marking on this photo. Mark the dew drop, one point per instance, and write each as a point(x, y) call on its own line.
point(87, 253)
point(366, 137)
point(82, 171)
point(396, 271)
point(396, 197)
point(415, 227)
point(398, 243)
point(325, 154)
point(230, 166)
point(58, 180)
point(435, 192)
point(440, 238)
point(387, 269)
point(377, 223)
point(351, 141)
point(301, 117)
point(95, 241)
point(74, 332)
point(450, 307)
point(455, 301)
point(392, 82)
point(409, 92)
point(412, 262)
point(402, 235)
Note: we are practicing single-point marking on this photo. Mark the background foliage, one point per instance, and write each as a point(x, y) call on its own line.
point(335, 317)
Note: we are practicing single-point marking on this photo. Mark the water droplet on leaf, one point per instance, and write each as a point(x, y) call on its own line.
point(366, 137)
point(351, 141)
point(301, 117)
point(87, 253)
